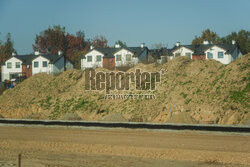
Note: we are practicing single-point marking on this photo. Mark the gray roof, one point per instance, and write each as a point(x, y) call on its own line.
point(27, 59)
point(157, 53)
point(201, 48)
point(109, 52)
point(51, 57)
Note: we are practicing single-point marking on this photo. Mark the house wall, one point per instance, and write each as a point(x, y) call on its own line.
point(143, 58)
point(198, 57)
point(27, 70)
point(7, 71)
point(109, 63)
point(94, 63)
point(69, 65)
point(124, 62)
point(215, 49)
point(58, 67)
point(40, 67)
point(183, 51)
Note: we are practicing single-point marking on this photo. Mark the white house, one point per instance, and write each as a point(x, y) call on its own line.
point(27, 65)
point(48, 63)
point(114, 57)
point(11, 68)
point(224, 53)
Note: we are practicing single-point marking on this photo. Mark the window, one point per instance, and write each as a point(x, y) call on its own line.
point(9, 65)
point(36, 64)
point(118, 57)
point(89, 58)
point(177, 54)
point(18, 64)
point(189, 55)
point(98, 58)
point(209, 55)
point(128, 57)
point(45, 64)
point(220, 55)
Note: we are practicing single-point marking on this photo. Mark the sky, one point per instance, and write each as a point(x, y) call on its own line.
point(131, 21)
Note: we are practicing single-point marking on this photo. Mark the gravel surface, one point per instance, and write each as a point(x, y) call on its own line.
point(67, 147)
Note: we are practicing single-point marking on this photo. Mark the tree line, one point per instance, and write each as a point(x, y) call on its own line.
point(55, 39)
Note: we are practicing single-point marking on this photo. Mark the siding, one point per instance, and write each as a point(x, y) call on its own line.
point(7, 71)
point(124, 62)
point(40, 67)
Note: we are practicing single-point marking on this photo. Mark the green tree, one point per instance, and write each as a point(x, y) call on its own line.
point(122, 44)
point(207, 35)
point(242, 39)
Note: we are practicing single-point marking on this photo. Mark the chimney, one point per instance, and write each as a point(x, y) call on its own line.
point(117, 46)
point(233, 42)
point(177, 44)
point(205, 42)
point(37, 53)
point(13, 54)
point(91, 47)
point(142, 45)
point(60, 52)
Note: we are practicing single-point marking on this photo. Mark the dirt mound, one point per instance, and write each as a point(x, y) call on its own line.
point(208, 91)
point(1, 116)
point(181, 117)
point(115, 117)
point(71, 116)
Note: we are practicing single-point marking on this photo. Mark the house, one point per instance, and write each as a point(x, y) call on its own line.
point(27, 65)
point(224, 53)
point(114, 57)
point(161, 55)
point(16, 66)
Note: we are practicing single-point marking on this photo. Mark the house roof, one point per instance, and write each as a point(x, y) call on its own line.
point(51, 57)
point(27, 59)
point(201, 48)
point(157, 53)
point(109, 52)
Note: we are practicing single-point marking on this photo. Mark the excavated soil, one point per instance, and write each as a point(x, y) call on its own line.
point(195, 92)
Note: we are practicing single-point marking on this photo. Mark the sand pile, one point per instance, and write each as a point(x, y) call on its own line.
point(206, 91)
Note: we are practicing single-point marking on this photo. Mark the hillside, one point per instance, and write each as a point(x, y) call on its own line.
point(197, 92)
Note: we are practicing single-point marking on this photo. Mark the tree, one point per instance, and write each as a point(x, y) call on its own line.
point(158, 45)
point(100, 42)
point(51, 40)
point(56, 39)
point(207, 35)
point(242, 39)
point(6, 49)
point(122, 44)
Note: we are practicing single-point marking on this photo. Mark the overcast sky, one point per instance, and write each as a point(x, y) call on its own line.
point(132, 21)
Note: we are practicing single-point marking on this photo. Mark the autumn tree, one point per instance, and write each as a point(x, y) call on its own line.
point(51, 40)
point(207, 35)
point(6, 49)
point(100, 41)
point(56, 39)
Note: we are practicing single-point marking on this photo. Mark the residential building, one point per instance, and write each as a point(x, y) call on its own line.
point(114, 57)
point(224, 53)
point(27, 65)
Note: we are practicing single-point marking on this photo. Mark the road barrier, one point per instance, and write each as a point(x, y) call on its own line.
point(131, 125)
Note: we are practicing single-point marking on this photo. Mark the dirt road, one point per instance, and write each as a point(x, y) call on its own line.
point(67, 147)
